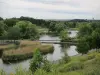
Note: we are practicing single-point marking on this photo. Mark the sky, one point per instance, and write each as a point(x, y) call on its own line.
point(51, 9)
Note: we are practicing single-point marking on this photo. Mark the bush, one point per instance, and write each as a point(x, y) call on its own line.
point(36, 61)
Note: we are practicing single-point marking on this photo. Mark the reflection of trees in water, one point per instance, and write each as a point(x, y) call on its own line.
point(64, 47)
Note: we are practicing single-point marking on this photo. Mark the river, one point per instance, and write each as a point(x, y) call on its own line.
point(59, 51)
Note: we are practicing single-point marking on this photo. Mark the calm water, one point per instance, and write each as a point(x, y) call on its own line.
point(58, 53)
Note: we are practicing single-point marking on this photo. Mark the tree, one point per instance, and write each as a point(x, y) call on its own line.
point(13, 33)
point(52, 27)
point(39, 22)
point(84, 29)
point(23, 27)
point(36, 61)
point(83, 47)
point(3, 27)
point(28, 30)
point(32, 32)
point(10, 22)
point(63, 35)
point(96, 38)
point(59, 27)
point(1, 18)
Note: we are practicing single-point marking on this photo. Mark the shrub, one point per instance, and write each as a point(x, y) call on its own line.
point(46, 66)
point(36, 61)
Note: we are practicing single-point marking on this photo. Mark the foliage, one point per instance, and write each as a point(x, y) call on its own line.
point(56, 27)
point(91, 33)
point(91, 66)
point(36, 62)
point(32, 32)
point(21, 71)
point(1, 18)
point(46, 65)
point(13, 33)
point(3, 27)
point(96, 38)
point(39, 22)
point(83, 47)
point(27, 29)
point(10, 22)
point(63, 35)
point(84, 29)
point(72, 66)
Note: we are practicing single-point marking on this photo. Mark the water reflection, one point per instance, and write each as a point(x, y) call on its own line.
point(61, 50)
point(73, 33)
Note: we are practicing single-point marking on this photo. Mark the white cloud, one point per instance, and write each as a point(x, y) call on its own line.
point(62, 9)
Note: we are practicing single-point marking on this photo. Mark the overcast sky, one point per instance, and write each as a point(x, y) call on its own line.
point(51, 9)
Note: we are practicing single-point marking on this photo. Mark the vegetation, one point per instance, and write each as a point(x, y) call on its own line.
point(36, 62)
point(83, 65)
point(89, 37)
point(17, 30)
point(30, 28)
point(25, 51)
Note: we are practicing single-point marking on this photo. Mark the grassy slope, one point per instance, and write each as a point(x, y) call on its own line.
point(78, 65)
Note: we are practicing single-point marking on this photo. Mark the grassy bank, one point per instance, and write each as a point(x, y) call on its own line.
point(25, 50)
point(78, 65)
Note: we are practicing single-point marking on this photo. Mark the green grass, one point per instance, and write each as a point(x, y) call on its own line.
point(78, 65)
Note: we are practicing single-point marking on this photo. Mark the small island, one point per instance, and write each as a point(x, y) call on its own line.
point(23, 51)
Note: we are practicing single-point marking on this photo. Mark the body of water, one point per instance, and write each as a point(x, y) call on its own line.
point(59, 51)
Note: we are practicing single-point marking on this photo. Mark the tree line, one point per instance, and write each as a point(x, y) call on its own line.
point(89, 37)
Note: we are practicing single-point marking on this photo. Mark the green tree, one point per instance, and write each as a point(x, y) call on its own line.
point(96, 38)
point(23, 26)
point(1, 18)
point(59, 27)
point(28, 30)
point(10, 22)
point(36, 61)
point(64, 35)
point(13, 33)
point(32, 31)
point(83, 47)
point(52, 27)
point(3, 27)
point(84, 29)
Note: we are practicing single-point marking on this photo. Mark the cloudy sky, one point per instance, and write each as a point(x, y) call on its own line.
point(51, 9)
